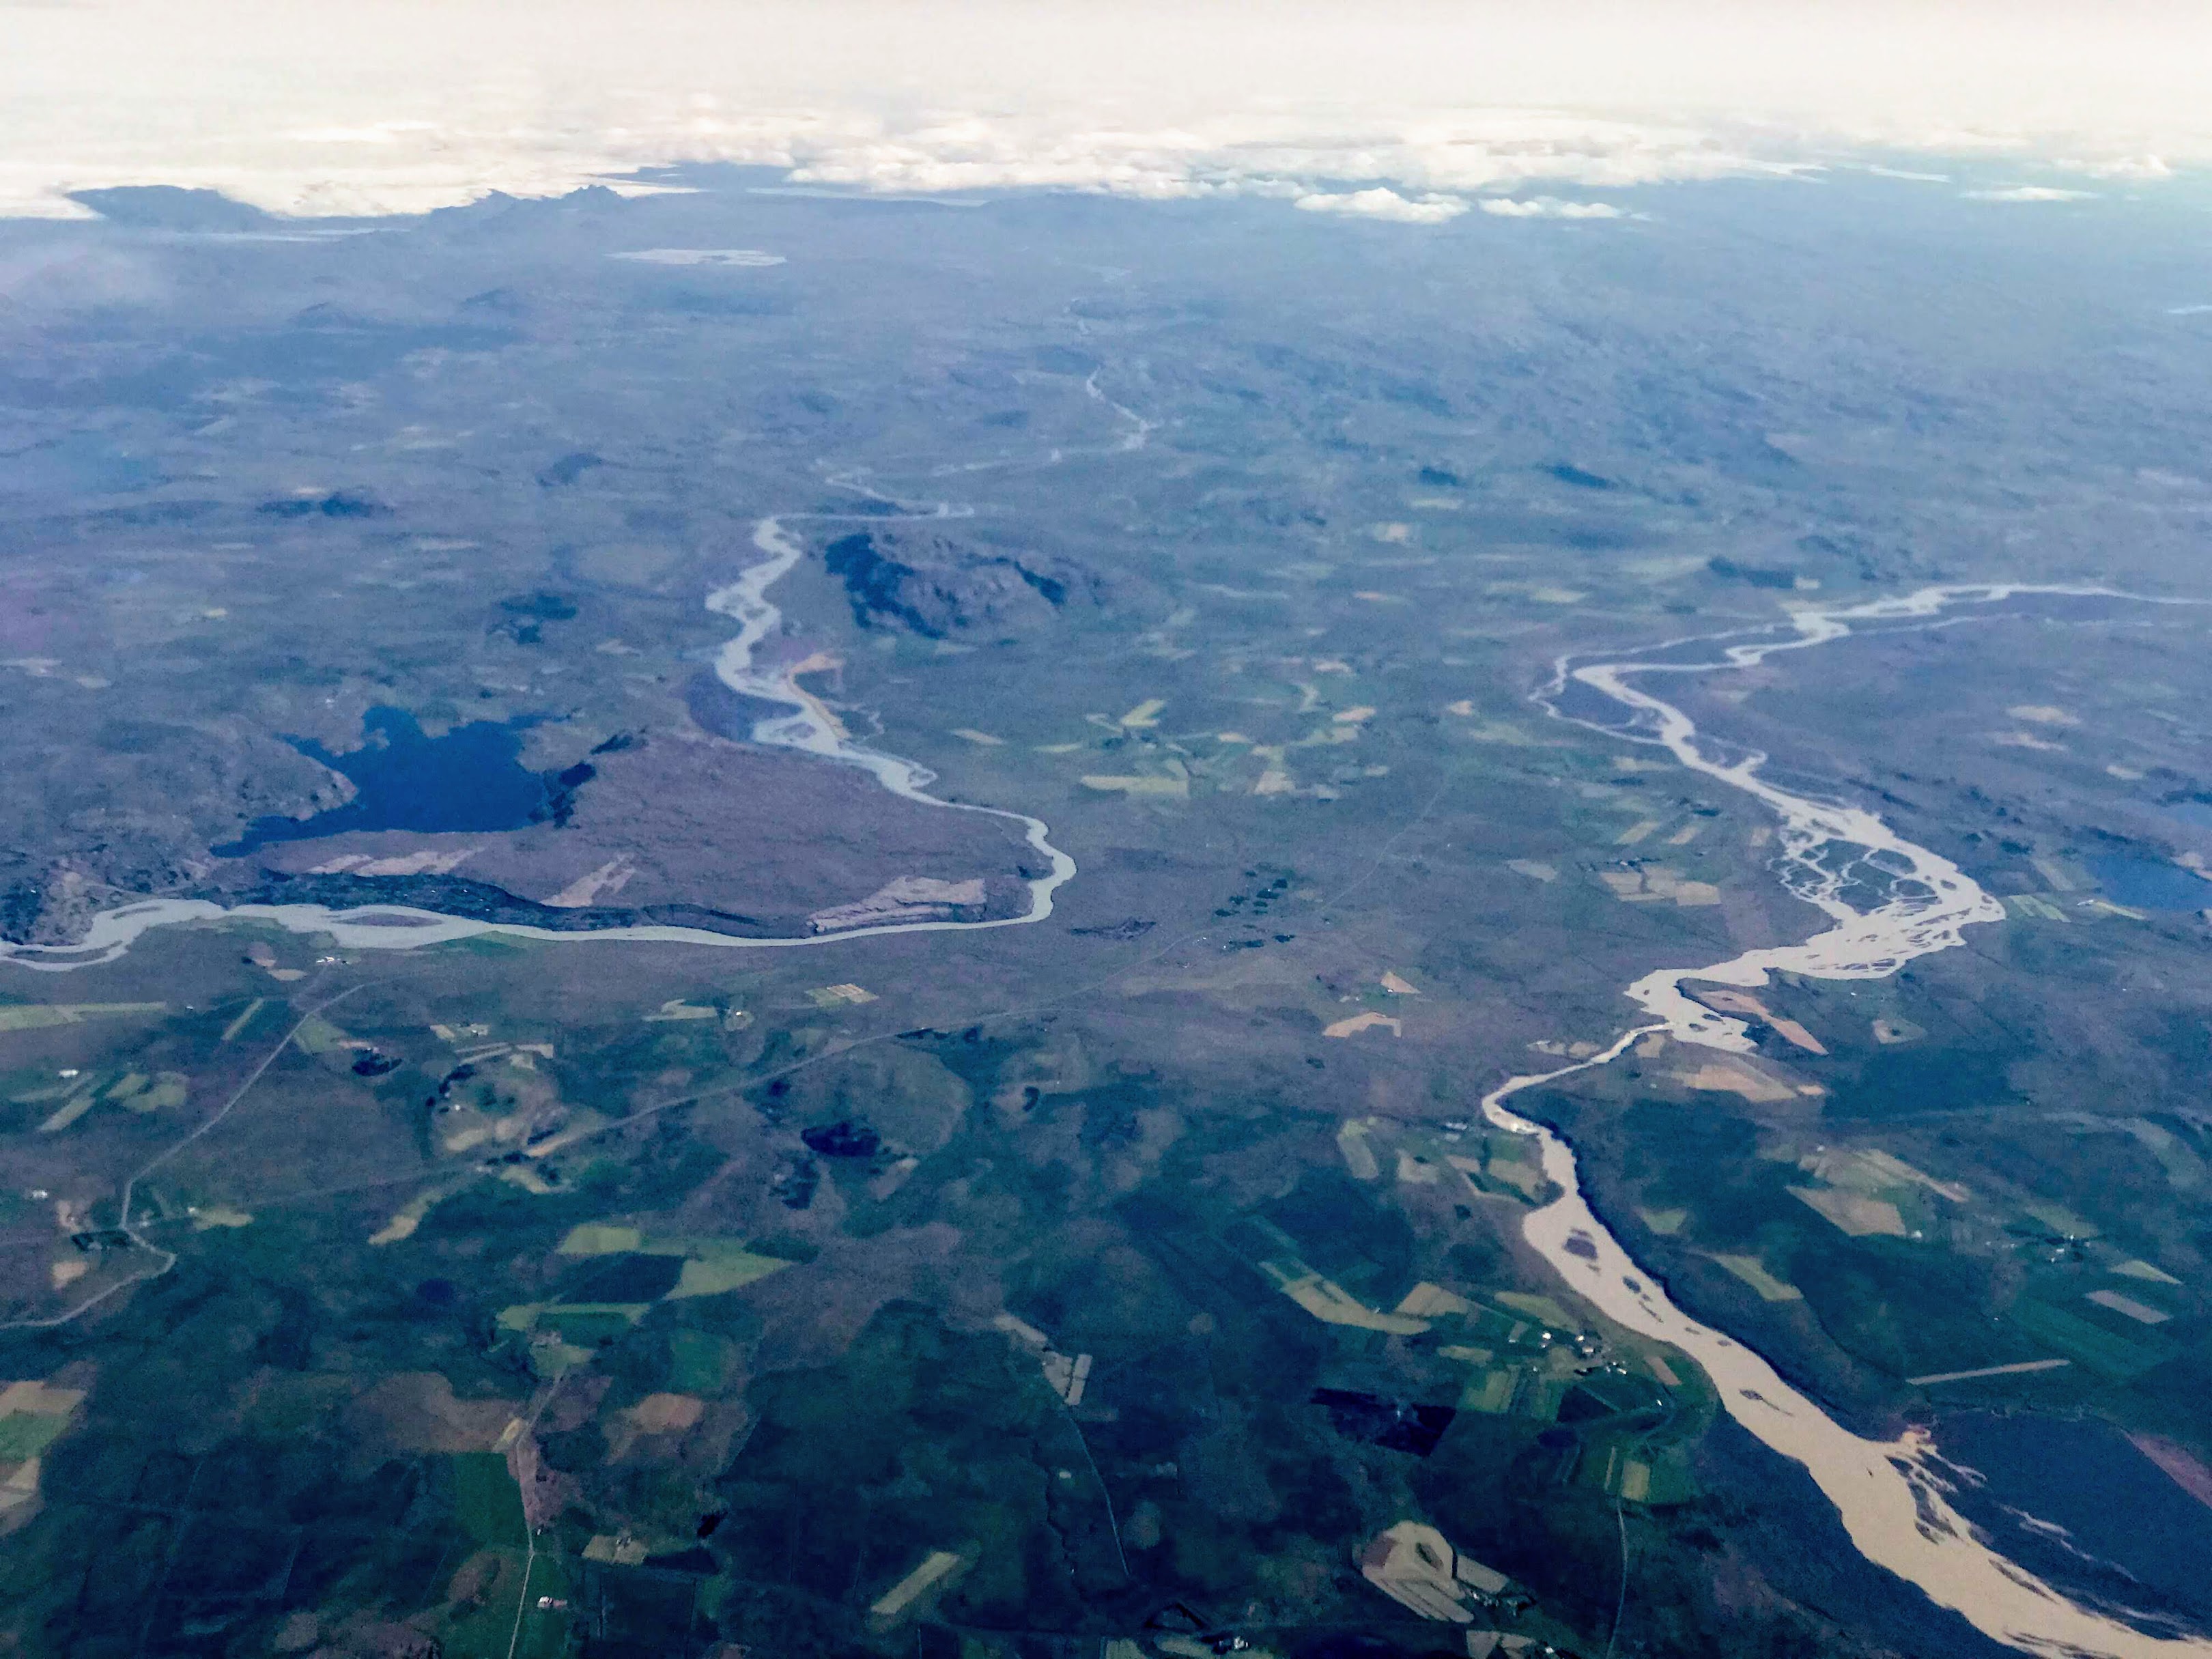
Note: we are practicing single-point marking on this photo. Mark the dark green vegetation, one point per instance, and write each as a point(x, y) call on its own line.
point(764, 1461)
point(1147, 1258)
point(1981, 1191)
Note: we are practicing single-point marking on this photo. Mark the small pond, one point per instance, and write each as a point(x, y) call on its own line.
point(2151, 884)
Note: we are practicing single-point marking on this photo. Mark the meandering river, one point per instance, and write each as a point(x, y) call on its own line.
point(1890, 1494)
point(805, 728)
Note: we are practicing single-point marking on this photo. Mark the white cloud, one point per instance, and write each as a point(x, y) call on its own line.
point(1380, 203)
point(2143, 167)
point(1547, 207)
point(2030, 193)
point(405, 105)
point(387, 132)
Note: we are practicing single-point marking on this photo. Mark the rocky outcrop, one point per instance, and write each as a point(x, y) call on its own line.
point(908, 898)
point(922, 581)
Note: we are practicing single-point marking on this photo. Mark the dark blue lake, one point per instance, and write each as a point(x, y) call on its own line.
point(470, 779)
point(2151, 884)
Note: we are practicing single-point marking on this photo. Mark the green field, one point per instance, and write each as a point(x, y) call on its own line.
point(487, 1501)
point(2105, 1352)
point(24, 1435)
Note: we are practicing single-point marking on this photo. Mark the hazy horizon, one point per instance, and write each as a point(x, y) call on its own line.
point(397, 107)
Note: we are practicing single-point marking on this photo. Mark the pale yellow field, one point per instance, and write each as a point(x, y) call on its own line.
point(1753, 1272)
point(1366, 1022)
point(1853, 1213)
point(667, 1413)
point(1729, 1076)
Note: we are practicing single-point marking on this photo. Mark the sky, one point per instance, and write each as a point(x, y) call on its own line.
point(1414, 111)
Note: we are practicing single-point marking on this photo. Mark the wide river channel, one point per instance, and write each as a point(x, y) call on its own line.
point(1891, 1494)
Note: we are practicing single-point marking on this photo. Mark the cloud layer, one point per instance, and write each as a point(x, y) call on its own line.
point(1383, 204)
point(1548, 207)
point(2029, 193)
point(388, 106)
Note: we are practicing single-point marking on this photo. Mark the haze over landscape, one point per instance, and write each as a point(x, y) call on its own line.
point(401, 106)
point(1047, 830)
